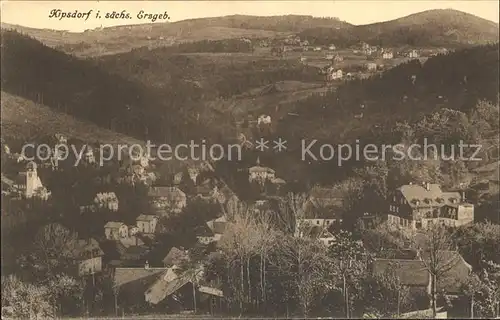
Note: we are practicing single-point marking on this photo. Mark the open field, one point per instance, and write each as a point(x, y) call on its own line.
point(109, 41)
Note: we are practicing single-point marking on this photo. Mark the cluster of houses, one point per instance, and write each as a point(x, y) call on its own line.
point(124, 247)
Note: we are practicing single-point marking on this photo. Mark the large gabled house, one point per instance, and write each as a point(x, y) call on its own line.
point(417, 206)
point(169, 288)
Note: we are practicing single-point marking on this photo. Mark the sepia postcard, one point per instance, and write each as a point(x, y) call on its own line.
point(250, 159)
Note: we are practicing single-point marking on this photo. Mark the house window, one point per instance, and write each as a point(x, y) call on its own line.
point(394, 198)
point(397, 209)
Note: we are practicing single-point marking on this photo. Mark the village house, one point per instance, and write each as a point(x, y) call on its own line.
point(332, 47)
point(146, 224)
point(304, 43)
point(263, 119)
point(308, 228)
point(303, 59)
point(60, 139)
point(302, 224)
point(368, 51)
point(412, 272)
point(86, 255)
point(107, 201)
point(338, 58)
point(326, 237)
point(168, 198)
point(217, 225)
point(413, 54)
point(324, 202)
point(371, 66)
point(178, 178)
point(329, 57)
point(205, 235)
point(334, 74)
point(387, 55)
point(193, 174)
point(260, 174)
point(89, 155)
point(114, 230)
point(317, 49)
point(417, 206)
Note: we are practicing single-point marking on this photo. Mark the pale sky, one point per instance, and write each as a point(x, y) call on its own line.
point(36, 13)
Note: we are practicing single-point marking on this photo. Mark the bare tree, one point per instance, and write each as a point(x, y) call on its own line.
point(292, 208)
point(266, 239)
point(306, 262)
point(52, 247)
point(239, 242)
point(433, 244)
point(349, 257)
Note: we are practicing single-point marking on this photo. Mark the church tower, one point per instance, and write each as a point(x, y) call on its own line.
point(32, 180)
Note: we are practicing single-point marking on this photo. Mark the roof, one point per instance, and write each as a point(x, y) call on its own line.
point(418, 196)
point(163, 288)
point(406, 254)
point(146, 217)
point(217, 225)
point(203, 231)
point(278, 181)
point(133, 252)
point(260, 169)
point(211, 291)
point(124, 276)
point(410, 272)
point(413, 272)
point(114, 224)
point(175, 256)
point(326, 196)
point(166, 192)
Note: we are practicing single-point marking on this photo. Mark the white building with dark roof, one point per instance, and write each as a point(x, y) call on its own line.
point(417, 206)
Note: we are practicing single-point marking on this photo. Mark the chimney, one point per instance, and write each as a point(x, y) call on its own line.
point(463, 196)
point(427, 186)
point(146, 265)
